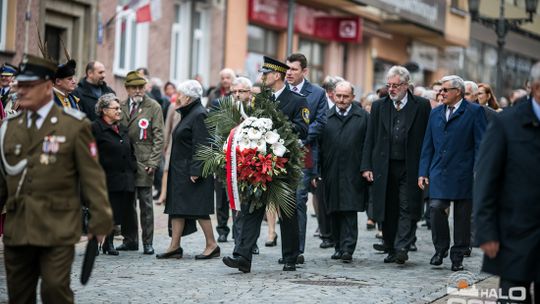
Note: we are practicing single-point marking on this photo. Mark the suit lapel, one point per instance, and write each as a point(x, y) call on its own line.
point(385, 113)
point(458, 112)
point(410, 111)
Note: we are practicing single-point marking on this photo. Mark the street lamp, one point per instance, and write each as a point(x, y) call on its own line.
point(501, 25)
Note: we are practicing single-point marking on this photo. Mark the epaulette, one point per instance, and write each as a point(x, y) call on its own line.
point(13, 115)
point(75, 113)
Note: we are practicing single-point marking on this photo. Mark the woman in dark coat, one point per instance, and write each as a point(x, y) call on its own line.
point(117, 159)
point(190, 196)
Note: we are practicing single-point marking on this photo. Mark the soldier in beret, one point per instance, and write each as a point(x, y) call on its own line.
point(65, 83)
point(49, 157)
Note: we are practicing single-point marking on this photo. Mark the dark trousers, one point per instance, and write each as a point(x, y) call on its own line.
point(130, 229)
point(398, 227)
point(26, 264)
point(301, 207)
point(222, 208)
point(324, 219)
point(440, 231)
point(251, 228)
point(505, 286)
point(120, 201)
point(345, 230)
point(158, 176)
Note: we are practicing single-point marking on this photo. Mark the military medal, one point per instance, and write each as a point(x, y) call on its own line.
point(54, 120)
point(143, 125)
point(17, 149)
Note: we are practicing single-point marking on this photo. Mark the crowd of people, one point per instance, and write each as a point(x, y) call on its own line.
point(403, 153)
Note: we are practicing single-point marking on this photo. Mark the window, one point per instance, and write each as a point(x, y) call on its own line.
point(261, 42)
point(131, 43)
point(314, 52)
point(3, 23)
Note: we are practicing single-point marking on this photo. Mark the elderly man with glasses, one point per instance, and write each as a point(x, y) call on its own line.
point(449, 152)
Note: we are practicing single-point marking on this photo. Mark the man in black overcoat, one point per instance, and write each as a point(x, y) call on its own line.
point(390, 161)
point(294, 106)
point(341, 143)
point(506, 198)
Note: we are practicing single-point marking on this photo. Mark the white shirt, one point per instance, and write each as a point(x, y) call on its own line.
point(456, 106)
point(278, 92)
point(42, 112)
point(298, 86)
point(403, 102)
point(346, 111)
point(329, 101)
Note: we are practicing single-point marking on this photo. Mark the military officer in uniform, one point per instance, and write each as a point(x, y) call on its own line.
point(65, 83)
point(294, 106)
point(49, 158)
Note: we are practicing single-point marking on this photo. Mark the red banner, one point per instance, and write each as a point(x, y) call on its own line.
point(342, 29)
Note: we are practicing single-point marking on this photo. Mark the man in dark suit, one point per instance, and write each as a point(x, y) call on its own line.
point(317, 104)
point(507, 196)
point(391, 155)
point(449, 152)
point(294, 106)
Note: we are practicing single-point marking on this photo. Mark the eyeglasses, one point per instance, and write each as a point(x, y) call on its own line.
point(394, 85)
point(115, 108)
point(445, 90)
point(240, 91)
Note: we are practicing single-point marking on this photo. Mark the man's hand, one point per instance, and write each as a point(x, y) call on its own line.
point(490, 249)
point(422, 181)
point(194, 178)
point(368, 175)
point(149, 170)
point(99, 238)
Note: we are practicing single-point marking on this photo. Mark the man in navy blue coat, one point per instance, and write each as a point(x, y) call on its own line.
point(317, 104)
point(449, 152)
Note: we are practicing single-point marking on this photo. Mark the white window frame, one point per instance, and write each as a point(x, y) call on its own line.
point(3, 20)
point(140, 51)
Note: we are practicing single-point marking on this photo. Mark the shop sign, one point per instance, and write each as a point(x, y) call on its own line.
point(341, 29)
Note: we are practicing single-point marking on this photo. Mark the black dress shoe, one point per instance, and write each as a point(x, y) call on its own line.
point(390, 258)
point(299, 260)
point(175, 254)
point(327, 244)
point(380, 247)
point(438, 257)
point(401, 256)
point(457, 266)
point(289, 267)
point(222, 238)
point(467, 252)
point(127, 247)
point(148, 249)
point(337, 255)
point(346, 257)
point(255, 249)
point(238, 262)
point(214, 254)
point(413, 247)
point(271, 243)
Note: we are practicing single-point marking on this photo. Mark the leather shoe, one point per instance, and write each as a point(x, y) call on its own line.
point(127, 247)
point(222, 238)
point(413, 247)
point(401, 256)
point(380, 247)
point(457, 266)
point(177, 254)
point(346, 257)
point(255, 249)
point(238, 262)
point(148, 249)
point(289, 267)
point(337, 255)
point(327, 244)
point(467, 252)
point(214, 254)
point(299, 260)
point(390, 258)
point(438, 257)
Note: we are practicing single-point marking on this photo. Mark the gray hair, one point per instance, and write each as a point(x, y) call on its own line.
point(344, 82)
point(456, 82)
point(473, 85)
point(104, 102)
point(242, 81)
point(535, 72)
point(402, 72)
point(371, 97)
point(190, 88)
point(228, 71)
point(429, 94)
point(329, 82)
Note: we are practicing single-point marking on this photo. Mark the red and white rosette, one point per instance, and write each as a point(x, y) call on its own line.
point(143, 126)
point(231, 169)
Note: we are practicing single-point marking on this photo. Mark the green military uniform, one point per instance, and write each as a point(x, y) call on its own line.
point(42, 197)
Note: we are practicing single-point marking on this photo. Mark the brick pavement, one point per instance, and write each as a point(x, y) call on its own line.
point(133, 277)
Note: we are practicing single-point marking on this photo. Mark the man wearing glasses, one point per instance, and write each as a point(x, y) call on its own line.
point(449, 152)
point(390, 161)
point(144, 119)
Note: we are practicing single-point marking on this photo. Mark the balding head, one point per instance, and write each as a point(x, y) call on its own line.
point(95, 73)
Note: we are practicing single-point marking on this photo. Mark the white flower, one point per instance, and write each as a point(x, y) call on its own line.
point(252, 144)
point(249, 121)
point(261, 146)
point(267, 123)
point(271, 137)
point(279, 149)
point(254, 134)
point(281, 141)
point(244, 143)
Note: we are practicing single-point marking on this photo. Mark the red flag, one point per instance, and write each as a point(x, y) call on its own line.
point(143, 14)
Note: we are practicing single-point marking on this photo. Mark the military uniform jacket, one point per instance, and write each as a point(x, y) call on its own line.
point(47, 209)
point(145, 131)
point(295, 107)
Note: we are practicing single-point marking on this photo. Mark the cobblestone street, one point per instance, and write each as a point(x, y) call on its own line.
point(136, 278)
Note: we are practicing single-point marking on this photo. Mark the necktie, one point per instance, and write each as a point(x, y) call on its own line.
point(398, 105)
point(273, 97)
point(342, 112)
point(295, 89)
point(33, 124)
point(133, 109)
point(450, 111)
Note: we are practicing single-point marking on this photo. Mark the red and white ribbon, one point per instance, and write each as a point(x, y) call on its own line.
point(231, 170)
